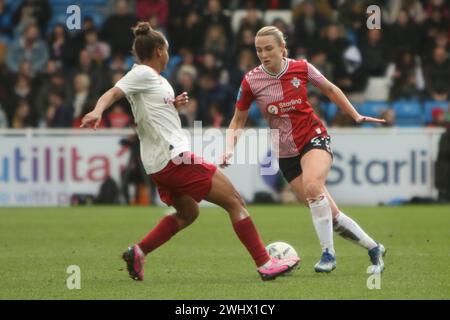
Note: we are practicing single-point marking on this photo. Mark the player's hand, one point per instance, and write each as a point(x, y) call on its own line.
point(181, 100)
point(91, 120)
point(361, 119)
point(224, 160)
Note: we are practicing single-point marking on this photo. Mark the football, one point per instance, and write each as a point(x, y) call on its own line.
point(281, 250)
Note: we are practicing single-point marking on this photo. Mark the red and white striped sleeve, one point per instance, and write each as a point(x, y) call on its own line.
point(245, 96)
point(314, 76)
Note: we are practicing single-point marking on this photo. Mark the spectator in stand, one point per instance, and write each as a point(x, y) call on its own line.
point(118, 63)
point(375, 53)
point(157, 8)
point(431, 27)
point(252, 20)
point(307, 29)
point(438, 5)
point(334, 44)
point(216, 116)
point(94, 45)
point(413, 8)
point(437, 75)
point(96, 69)
point(405, 77)
point(211, 91)
point(51, 81)
point(3, 118)
point(116, 30)
point(442, 40)
point(77, 41)
point(246, 62)
point(188, 114)
point(215, 16)
point(245, 40)
point(178, 11)
point(186, 80)
point(58, 114)
point(403, 35)
point(189, 35)
point(29, 47)
point(81, 87)
point(118, 117)
point(350, 75)
point(5, 21)
point(22, 115)
point(38, 11)
point(22, 90)
point(211, 64)
point(58, 45)
point(215, 41)
point(440, 118)
point(352, 15)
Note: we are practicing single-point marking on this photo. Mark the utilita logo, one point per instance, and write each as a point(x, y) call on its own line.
point(52, 164)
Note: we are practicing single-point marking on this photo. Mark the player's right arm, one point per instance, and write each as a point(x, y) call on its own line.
point(237, 124)
point(93, 118)
point(137, 80)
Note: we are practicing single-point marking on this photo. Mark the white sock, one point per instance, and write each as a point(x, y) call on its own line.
point(350, 230)
point(267, 264)
point(322, 220)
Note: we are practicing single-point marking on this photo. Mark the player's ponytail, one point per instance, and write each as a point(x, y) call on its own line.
point(146, 40)
point(274, 31)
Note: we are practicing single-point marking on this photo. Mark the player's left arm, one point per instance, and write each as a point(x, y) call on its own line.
point(337, 96)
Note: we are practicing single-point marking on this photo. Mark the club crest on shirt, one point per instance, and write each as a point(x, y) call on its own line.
point(296, 82)
point(272, 109)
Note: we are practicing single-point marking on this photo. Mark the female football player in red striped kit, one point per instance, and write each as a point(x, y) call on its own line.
point(279, 87)
point(183, 179)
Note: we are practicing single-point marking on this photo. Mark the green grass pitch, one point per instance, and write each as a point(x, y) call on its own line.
point(207, 261)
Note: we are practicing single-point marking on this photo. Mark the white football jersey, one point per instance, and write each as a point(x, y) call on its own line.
point(158, 124)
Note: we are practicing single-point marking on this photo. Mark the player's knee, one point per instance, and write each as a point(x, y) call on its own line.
point(312, 188)
point(235, 202)
point(188, 216)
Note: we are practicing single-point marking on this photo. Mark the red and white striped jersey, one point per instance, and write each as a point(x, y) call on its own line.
point(283, 101)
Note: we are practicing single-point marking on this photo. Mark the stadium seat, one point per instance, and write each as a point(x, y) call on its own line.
point(377, 89)
point(330, 109)
point(430, 105)
point(285, 15)
point(374, 108)
point(408, 113)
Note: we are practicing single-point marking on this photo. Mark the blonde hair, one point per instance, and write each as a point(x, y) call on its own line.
point(274, 31)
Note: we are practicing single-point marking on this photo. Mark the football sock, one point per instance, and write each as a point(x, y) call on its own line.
point(161, 233)
point(322, 220)
point(348, 229)
point(247, 233)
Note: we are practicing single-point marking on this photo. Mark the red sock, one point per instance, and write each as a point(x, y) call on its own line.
point(164, 230)
point(247, 233)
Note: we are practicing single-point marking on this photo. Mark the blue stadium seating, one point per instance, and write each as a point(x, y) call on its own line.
point(330, 109)
point(430, 105)
point(408, 113)
point(374, 108)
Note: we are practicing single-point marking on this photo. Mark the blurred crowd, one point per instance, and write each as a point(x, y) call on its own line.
point(51, 76)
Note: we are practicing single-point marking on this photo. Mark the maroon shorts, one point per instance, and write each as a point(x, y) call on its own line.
point(192, 177)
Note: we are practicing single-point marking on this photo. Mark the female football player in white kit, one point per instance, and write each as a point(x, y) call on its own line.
point(183, 179)
point(279, 87)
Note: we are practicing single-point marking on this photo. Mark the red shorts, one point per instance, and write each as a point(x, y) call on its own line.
point(187, 178)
